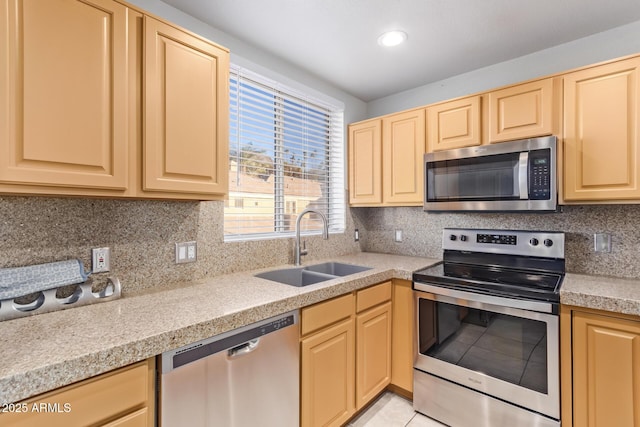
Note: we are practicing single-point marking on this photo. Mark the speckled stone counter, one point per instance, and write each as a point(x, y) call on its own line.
point(602, 293)
point(47, 351)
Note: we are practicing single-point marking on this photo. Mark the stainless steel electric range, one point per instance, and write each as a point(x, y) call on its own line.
point(487, 351)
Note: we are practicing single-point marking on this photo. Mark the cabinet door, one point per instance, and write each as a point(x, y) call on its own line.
point(63, 93)
point(373, 353)
point(522, 111)
point(127, 394)
point(403, 147)
point(327, 376)
point(402, 335)
point(606, 371)
point(454, 124)
point(365, 163)
point(186, 83)
point(601, 156)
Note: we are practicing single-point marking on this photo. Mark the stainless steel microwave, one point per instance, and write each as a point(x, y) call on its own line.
point(508, 176)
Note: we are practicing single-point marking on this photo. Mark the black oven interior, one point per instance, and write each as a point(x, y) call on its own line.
point(502, 346)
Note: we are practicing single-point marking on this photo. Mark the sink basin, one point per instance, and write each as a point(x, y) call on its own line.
point(303, 276)
point(337, 268)
point(295, 276)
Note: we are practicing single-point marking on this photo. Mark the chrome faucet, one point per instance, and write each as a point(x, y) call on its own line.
point(300, 252)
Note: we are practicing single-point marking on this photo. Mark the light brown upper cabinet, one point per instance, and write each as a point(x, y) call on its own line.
point(385, 160)
point(63, 94)
point(601, 124)
point(523, 111)
point(365, 163)
point(71, 104)
point(403, 147)
point(454, 124)
point(186, 101)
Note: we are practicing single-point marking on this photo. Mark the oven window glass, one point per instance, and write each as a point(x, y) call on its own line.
point(482, 178)
point(509, 348)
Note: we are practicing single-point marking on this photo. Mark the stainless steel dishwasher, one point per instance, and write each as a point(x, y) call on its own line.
point(242, 378)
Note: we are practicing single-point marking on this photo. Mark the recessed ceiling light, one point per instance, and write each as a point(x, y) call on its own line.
point(392, 38)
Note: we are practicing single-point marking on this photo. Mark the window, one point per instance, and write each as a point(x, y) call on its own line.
point(286, 155)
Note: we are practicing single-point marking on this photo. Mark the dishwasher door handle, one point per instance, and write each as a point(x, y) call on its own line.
point(243, 349)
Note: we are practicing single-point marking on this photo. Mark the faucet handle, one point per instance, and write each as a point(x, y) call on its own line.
point(303, 250)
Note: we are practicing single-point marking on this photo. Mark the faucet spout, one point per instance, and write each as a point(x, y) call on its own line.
point(300, 252)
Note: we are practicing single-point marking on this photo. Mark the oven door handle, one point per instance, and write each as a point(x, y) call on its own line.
point(454, 296)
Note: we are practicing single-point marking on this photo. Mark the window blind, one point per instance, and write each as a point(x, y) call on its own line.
point(286, 155)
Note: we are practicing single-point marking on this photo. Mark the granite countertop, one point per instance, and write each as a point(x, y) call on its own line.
point(47, 351)
point(601, 293)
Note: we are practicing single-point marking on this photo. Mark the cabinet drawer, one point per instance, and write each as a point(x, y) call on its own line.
point(139, 418)
point(88, 402)
point(367, 298)
point(325, 313)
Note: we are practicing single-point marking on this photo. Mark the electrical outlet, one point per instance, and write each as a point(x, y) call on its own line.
point(602, 242)
point(398, 236)
point(101, 260)
point(356, 235)
point(186, 252)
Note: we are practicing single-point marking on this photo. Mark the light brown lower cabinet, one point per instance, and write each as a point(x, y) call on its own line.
point(373, 342)
point(402, 338)
point(124, 397)
point(601, 378)
point(345, 355)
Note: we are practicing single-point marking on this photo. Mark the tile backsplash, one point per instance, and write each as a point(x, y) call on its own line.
point(142, 234)
point(422, 233)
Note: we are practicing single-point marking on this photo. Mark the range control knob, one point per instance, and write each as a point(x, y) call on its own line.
point(534, 242)
point(463, 238)
point(452, 237)
point(548, 242)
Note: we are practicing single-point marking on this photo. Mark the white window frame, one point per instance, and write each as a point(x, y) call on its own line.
point(336, 209)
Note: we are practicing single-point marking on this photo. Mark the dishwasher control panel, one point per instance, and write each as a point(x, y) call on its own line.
point(280, 323)
point(173, 359)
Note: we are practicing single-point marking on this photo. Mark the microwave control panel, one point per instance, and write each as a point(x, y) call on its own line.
point(540, 174)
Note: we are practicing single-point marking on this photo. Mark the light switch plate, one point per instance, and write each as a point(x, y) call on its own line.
point(186, 252)
point(398, 236)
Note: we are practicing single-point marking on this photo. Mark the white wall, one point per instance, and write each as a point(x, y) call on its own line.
point(621, 41)
point(624, 40)
point(257, 60)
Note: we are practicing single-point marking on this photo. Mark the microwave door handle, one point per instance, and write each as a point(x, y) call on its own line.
point(523, 169)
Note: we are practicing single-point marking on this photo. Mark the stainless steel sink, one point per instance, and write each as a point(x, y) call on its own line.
point(337, 268)
point(303, 276)
point(295, 276)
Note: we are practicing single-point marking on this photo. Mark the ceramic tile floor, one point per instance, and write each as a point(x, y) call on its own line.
point(391, 410)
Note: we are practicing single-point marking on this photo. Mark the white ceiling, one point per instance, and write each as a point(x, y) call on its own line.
point(336, 40)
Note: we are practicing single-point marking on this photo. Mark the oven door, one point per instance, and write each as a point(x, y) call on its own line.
point(486, 344)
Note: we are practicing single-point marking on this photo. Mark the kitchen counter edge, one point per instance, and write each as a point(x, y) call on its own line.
point(44, 352)
point(605, 293)
point(48, 351)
